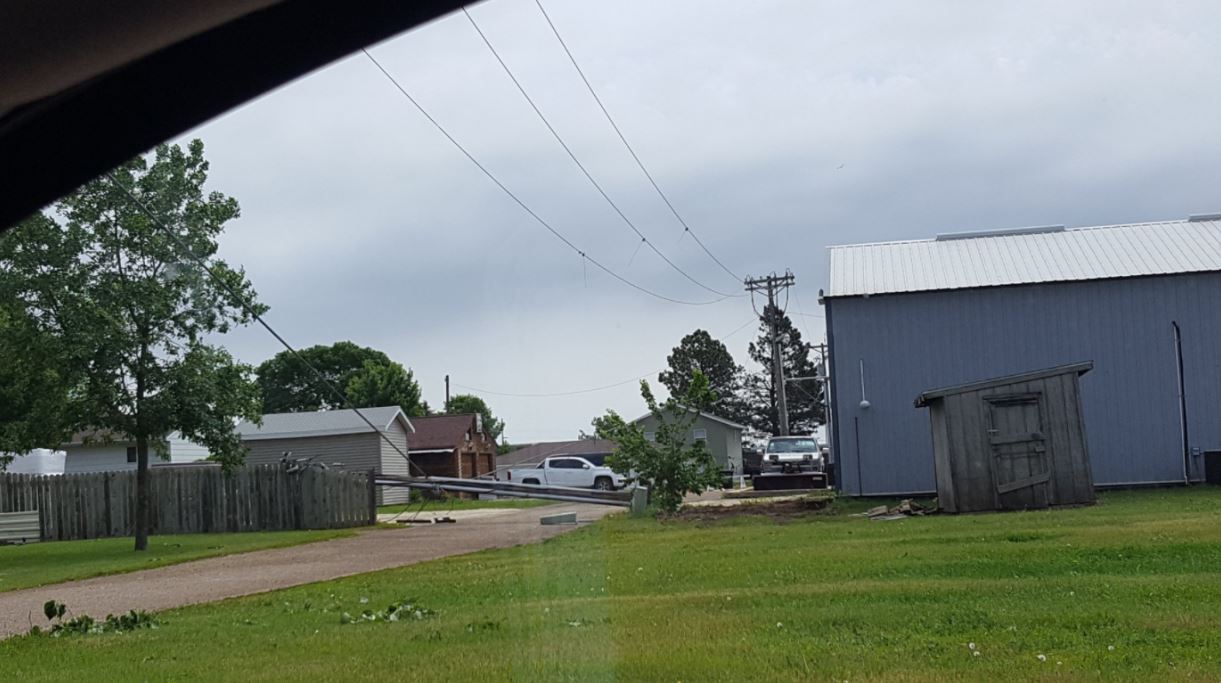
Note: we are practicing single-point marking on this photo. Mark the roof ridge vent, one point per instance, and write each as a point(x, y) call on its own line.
point(1203, 217)
point(970, 234)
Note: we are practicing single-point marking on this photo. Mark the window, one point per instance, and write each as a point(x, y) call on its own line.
point(650, 436)
point(566, 464)
point(700, 434)
point(131, 454)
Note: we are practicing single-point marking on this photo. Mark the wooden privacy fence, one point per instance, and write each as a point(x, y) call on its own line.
point(187, 500)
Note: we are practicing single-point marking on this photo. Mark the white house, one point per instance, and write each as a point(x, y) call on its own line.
point(37, 461)
point(120, 453)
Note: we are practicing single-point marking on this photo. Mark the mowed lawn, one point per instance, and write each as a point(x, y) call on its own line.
point(40, 564)
point(1127, 590)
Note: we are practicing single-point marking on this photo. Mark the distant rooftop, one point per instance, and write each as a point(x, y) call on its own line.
point(321, 423)
point(1027, 256)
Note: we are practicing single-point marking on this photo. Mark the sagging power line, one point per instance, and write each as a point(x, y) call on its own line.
point(581, 166)
point(610, 119)
point(517, 200)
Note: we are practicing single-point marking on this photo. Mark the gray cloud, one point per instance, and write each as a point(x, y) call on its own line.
point(777, 128)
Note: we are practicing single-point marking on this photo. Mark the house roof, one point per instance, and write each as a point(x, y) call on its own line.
point(1078, 368)
point(1026, 256)
point(710, 416)
point(440, 431)
point(537, 452)
point(322, 423)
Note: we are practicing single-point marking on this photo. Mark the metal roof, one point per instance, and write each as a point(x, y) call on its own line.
point(1027, 256)
point(1077, 368)
point(703, 414)
point(321, 423)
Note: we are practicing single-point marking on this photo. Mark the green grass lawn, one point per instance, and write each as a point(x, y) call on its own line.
point(460, 504)
point(38, 564)
point(1127, 590)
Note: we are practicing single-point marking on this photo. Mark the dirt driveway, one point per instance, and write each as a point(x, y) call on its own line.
point(264, 570)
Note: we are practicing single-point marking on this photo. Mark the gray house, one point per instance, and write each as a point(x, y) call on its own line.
point(1140, 301)
point(336, 438)
point(723, 438)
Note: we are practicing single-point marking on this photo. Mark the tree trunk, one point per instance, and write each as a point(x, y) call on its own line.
point(142, 493)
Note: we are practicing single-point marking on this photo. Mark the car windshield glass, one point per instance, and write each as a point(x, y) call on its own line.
point(792, 446)
point(388, 321)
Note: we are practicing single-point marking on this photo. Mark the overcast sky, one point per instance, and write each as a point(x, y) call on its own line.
point(777, 128)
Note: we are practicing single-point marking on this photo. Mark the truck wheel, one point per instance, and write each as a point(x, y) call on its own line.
point(604, 484)
point(530, 481)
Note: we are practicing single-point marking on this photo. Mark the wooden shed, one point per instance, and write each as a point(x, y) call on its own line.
point(1011, 443)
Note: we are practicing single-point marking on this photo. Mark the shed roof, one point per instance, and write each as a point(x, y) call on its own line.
point(1026, 256)
point(440, 431)
point(705, 414)
point(1078, 368)
point(322, 423)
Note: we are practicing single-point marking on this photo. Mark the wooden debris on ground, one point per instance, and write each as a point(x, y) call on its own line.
point(906, 508)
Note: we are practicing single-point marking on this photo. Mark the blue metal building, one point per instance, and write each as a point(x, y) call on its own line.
point(1143, 302)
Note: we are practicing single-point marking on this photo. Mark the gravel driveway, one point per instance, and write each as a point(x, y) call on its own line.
point(265, 570)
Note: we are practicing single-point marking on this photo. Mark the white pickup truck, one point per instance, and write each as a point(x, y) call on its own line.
point(576, 471)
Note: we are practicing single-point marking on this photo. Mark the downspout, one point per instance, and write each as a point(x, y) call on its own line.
point(1178, 356)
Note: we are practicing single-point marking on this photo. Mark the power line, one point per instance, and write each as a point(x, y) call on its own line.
point(539, 219)
point(250, 310)
point(572, 155)
point(623, 138)
point(604, 387)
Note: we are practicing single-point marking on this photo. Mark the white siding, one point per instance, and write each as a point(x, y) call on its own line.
point(38, 461)
point(394, 463)
point(96, 458)
point(112, 457)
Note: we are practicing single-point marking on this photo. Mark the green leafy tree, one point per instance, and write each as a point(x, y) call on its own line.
point(461, 404)
point(132, 311)
point(699, 351)
point(807, 408)
point(289, 385)
point(672, 464)
point(386, 384)
point(37, 384)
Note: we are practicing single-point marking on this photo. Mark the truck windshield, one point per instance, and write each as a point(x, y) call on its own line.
point(792, 446)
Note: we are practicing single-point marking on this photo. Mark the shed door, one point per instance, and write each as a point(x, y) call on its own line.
point(1020, 467)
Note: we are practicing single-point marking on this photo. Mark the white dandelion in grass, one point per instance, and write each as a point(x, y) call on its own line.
point(1110, 648)
point(970, 646)
point(975, 653)
point(1042, 658)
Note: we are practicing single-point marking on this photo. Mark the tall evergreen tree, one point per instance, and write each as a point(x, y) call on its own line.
point(807, 408)
point(699, 351)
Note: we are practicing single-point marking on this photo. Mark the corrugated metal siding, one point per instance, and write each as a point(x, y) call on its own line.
point(914, 342)
point(353, 451)
point(394, 463)
point(1079, 254)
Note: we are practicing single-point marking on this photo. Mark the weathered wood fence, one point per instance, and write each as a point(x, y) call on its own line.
point(186, 500)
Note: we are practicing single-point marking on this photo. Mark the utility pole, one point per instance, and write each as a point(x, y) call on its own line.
point(772, 285)
point(446, 408)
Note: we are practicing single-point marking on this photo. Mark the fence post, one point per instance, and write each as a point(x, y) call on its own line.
point(372, 485)
point(640, 500)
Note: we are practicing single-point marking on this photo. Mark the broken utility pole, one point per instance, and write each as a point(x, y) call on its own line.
point(773, 284)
